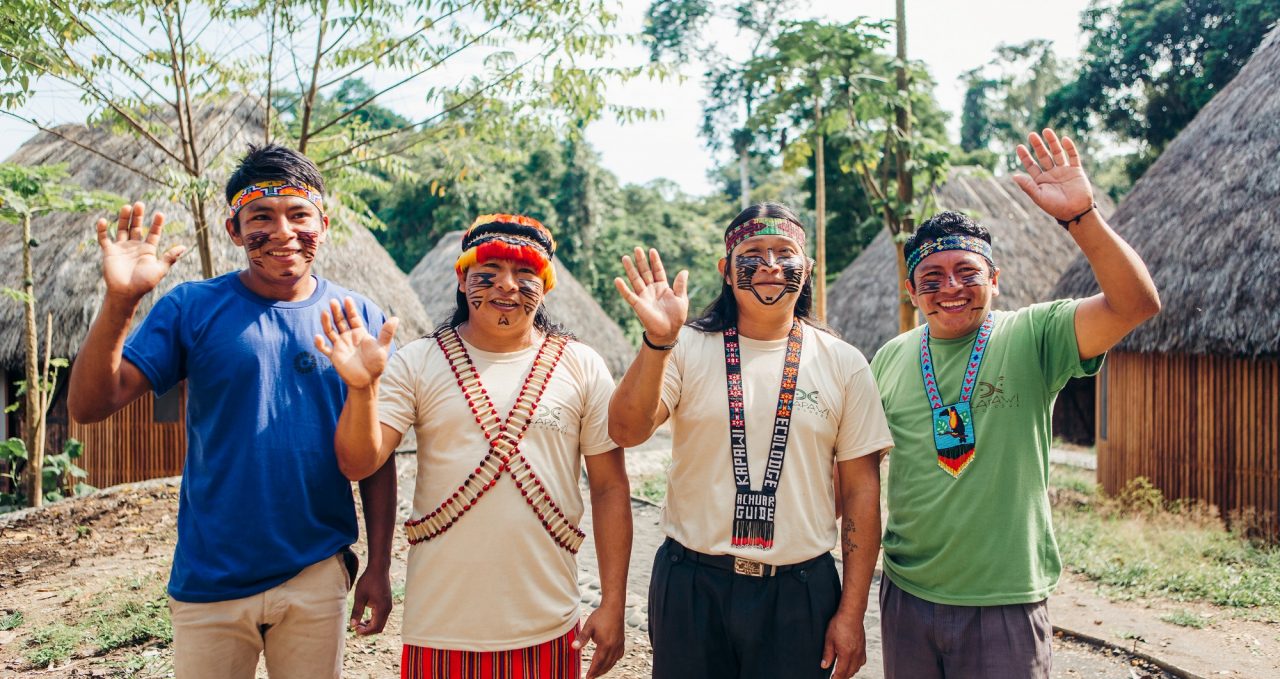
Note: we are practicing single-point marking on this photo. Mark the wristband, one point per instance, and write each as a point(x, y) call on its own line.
point(658, 347)
point(1066, 223)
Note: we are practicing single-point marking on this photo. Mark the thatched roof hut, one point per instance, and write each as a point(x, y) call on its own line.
point(68, 275)
point(1189, 399)
point(569, 304)
point(69, 280)
point(1030, 248)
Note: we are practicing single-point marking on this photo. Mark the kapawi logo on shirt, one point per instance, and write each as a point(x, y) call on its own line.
point(305, 362)
point(809, 402)
point(994, 396)
point(548, 417)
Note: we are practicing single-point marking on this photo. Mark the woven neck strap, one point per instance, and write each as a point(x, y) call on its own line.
point(504, 438)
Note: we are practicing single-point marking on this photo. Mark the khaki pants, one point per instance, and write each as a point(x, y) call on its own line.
point(299, 625)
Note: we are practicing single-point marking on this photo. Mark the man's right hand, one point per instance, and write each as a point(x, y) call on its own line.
point(130, 266)
point(662, 309)
point(358, 356)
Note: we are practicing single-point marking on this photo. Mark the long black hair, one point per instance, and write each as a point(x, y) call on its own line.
point(722, 313)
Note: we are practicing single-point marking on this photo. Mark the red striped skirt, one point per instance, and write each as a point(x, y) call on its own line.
point(555, 659)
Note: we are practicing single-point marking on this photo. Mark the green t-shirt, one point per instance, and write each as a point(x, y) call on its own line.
point(985, 538)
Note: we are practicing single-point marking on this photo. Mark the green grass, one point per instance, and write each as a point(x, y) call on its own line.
point(53, 644)
point(1137, 544)
point(10, 620)
point(132, 613)
point(652, 488)
point(1185, 618)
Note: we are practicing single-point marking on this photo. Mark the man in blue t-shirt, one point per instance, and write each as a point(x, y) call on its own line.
point(265, 518)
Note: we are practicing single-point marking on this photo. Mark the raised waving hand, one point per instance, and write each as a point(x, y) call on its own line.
point(358, 356)
point(661, 308)
point(132, 264)
point(1055, 180)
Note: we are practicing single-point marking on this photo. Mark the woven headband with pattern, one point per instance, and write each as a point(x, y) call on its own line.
point(949, 242)
point(275, 187)
point(763, 226)
point(514, 237)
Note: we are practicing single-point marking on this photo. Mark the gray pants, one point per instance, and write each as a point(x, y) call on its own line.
point(924, 640)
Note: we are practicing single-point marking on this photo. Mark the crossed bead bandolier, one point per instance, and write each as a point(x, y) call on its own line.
point(504, 446)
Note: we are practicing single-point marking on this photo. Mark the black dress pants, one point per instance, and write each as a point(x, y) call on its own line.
point(707, 622)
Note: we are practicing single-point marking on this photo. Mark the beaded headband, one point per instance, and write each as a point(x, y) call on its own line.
point(949, 242)
point(515, 237)
point(763, 226)
point(275, 187)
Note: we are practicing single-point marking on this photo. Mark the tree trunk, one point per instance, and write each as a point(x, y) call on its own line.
point(42, 423)
point(35, 455)
point(203, 236)
point(906, 180)
point(820, 200)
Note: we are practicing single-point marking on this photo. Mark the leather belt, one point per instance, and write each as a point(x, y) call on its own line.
point(736, 564)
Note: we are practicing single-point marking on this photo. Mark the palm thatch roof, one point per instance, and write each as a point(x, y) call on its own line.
point(67, 261)
point(1205, 219)
point(1030, 248)
point(569, 304)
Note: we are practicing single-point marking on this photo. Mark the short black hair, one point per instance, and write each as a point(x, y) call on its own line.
point(945, 223)
point(273, 161)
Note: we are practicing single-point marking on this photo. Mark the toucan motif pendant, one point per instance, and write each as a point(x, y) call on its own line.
point(953, 437)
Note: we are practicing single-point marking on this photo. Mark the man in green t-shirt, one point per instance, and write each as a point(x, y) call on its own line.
point(969, 552)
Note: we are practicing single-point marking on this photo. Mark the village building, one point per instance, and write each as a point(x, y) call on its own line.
point(1191, 399)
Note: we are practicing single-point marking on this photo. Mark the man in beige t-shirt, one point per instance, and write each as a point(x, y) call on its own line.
point(506, 408)
point(766, 407)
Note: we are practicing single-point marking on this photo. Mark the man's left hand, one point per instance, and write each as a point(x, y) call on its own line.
point(1055, 181)
point(605, 627)
point(373, 591)
point(846, 645)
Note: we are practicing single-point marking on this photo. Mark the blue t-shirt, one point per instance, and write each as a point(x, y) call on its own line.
point(262, 497)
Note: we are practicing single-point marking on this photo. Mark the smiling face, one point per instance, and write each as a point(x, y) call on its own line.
point(502, 295)
point(766, 271)
point(280, 236)
point(954, 289)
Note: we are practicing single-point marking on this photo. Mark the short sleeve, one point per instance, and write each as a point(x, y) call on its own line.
point(1059, 351)
point(374, 319)
point(864, 429)
point(593, 434)
point(397, 405)
point(156, 346)
point(673, 376)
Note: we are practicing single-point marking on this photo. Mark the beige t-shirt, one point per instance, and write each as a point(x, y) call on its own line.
point(495, 580)
point(837, 417)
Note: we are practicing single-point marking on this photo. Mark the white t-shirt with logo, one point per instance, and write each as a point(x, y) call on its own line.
point(837, 416)
point(495, 580)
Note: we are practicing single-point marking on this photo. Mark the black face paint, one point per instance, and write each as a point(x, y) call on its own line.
point(975, 279)
point(477, 283)
point(929, 287)
point(310, 241)
point(254, 243)
point(746, 266)
point(502, 320)
point(531, 291)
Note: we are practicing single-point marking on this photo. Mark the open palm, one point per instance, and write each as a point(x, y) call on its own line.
point(661, 308)
point(1055, 181)
point(132, 265)
point(358, 356)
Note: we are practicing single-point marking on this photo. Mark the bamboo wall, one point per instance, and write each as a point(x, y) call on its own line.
point(130, 445)
point(1199, 427)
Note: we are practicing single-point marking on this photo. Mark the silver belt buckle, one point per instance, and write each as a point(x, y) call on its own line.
point(743, 566)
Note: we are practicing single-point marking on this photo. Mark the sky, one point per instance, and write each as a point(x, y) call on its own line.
point(949, 36)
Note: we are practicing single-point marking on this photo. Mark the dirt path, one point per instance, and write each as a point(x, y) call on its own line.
point(76, 561)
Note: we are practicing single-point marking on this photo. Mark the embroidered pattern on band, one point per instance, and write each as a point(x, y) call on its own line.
point(504, 447)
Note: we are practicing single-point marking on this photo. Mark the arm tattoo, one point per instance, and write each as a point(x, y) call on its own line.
point(848, 529)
